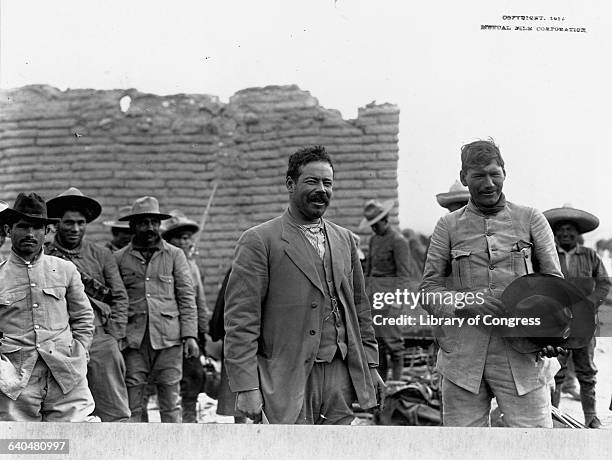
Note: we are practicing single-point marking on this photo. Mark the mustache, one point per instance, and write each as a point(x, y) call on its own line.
point(319, 196)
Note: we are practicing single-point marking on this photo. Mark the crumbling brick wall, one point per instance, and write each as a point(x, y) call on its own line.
point(177, 147)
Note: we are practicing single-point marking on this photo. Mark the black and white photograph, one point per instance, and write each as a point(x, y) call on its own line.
point(227, 226)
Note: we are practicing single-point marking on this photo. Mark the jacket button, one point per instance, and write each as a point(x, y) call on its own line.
point(35, 305)
point(312, 332)
point(313, 305)
point(491, 267)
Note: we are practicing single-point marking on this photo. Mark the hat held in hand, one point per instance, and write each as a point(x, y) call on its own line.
point(566, 317)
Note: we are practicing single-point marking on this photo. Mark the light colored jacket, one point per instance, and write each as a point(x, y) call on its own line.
point(44, 313)
point(471, 252)
point(160, 293)
point(273, 315)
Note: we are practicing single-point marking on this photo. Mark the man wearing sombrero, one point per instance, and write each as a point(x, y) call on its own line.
point(46, 323)
point(582, 267)
point(162, 323)
point(179, 231)
point(388, 268)
point(106, 293)
point(479, 250)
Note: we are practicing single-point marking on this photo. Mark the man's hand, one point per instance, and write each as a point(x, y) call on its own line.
point(491, 306)
point(379, 385)
point(190, 348)
point(250, 403)
point(551, 352)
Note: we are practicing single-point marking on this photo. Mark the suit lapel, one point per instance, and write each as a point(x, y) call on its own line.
point(335, 244)
point(297, 251)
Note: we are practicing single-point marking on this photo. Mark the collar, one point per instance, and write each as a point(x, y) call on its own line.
point(55, 244)
point(17, 259)
point(310, 227)
point(159, 245)
point(500, 206)
point(577, 250)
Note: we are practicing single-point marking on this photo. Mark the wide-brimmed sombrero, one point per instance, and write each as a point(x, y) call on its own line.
point(456, 194)
point(584, 221)
point(74, 199)
point(146, 206)
point(374, 211)
point(178, 223)
point(560, 315)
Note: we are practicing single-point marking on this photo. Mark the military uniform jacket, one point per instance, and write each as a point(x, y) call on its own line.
point(474, 252)
point(44, 313)
point(161, 295)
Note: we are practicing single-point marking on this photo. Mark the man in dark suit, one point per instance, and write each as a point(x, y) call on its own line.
point(299, 340)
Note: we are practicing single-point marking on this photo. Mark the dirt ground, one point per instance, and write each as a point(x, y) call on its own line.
point(603, 361)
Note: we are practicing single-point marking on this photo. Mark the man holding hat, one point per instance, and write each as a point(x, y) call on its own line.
point(106, 293)
point(120, 231)
point(582, 267)
point(179, 231)
point(475, 252)
point(388, 268)
point(162, 322)
point(46, 323)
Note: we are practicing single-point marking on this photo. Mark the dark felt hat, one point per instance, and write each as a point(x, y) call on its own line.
point(566, 317)
point(73, 198)
point(30, 207)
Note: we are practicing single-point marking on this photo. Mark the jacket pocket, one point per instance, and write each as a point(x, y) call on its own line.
point(461, 269)
point(166, 286)
point(521, 255)
point(171, 325)
point(8, 299)
point(55, 307)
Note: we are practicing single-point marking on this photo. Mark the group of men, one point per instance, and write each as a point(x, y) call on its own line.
point(84, 329)
point(299, 345)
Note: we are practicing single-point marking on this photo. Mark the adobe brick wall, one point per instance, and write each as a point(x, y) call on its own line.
point(177, 147)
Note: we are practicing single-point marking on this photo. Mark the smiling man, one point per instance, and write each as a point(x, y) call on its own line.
point(299, 341)
point(106, 293)
point(481, 248)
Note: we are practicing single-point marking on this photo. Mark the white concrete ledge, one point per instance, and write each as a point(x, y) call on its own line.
point(166, 441)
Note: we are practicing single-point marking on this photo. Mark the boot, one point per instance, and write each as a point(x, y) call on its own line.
point(592, 422)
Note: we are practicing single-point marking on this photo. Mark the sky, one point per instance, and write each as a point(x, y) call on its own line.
point(542, 96)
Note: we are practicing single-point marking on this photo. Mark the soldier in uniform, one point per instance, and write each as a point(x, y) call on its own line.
point(105, 290)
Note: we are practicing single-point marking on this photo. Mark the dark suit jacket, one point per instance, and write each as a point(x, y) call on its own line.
point(273, 317)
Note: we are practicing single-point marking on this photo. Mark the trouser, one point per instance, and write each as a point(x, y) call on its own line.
point(106, 377)
point(390, 349)
point(42, 400)
point(164, 367)
point(464, 408)
point(191, 386)
point(586, 373)
point(329, 395)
